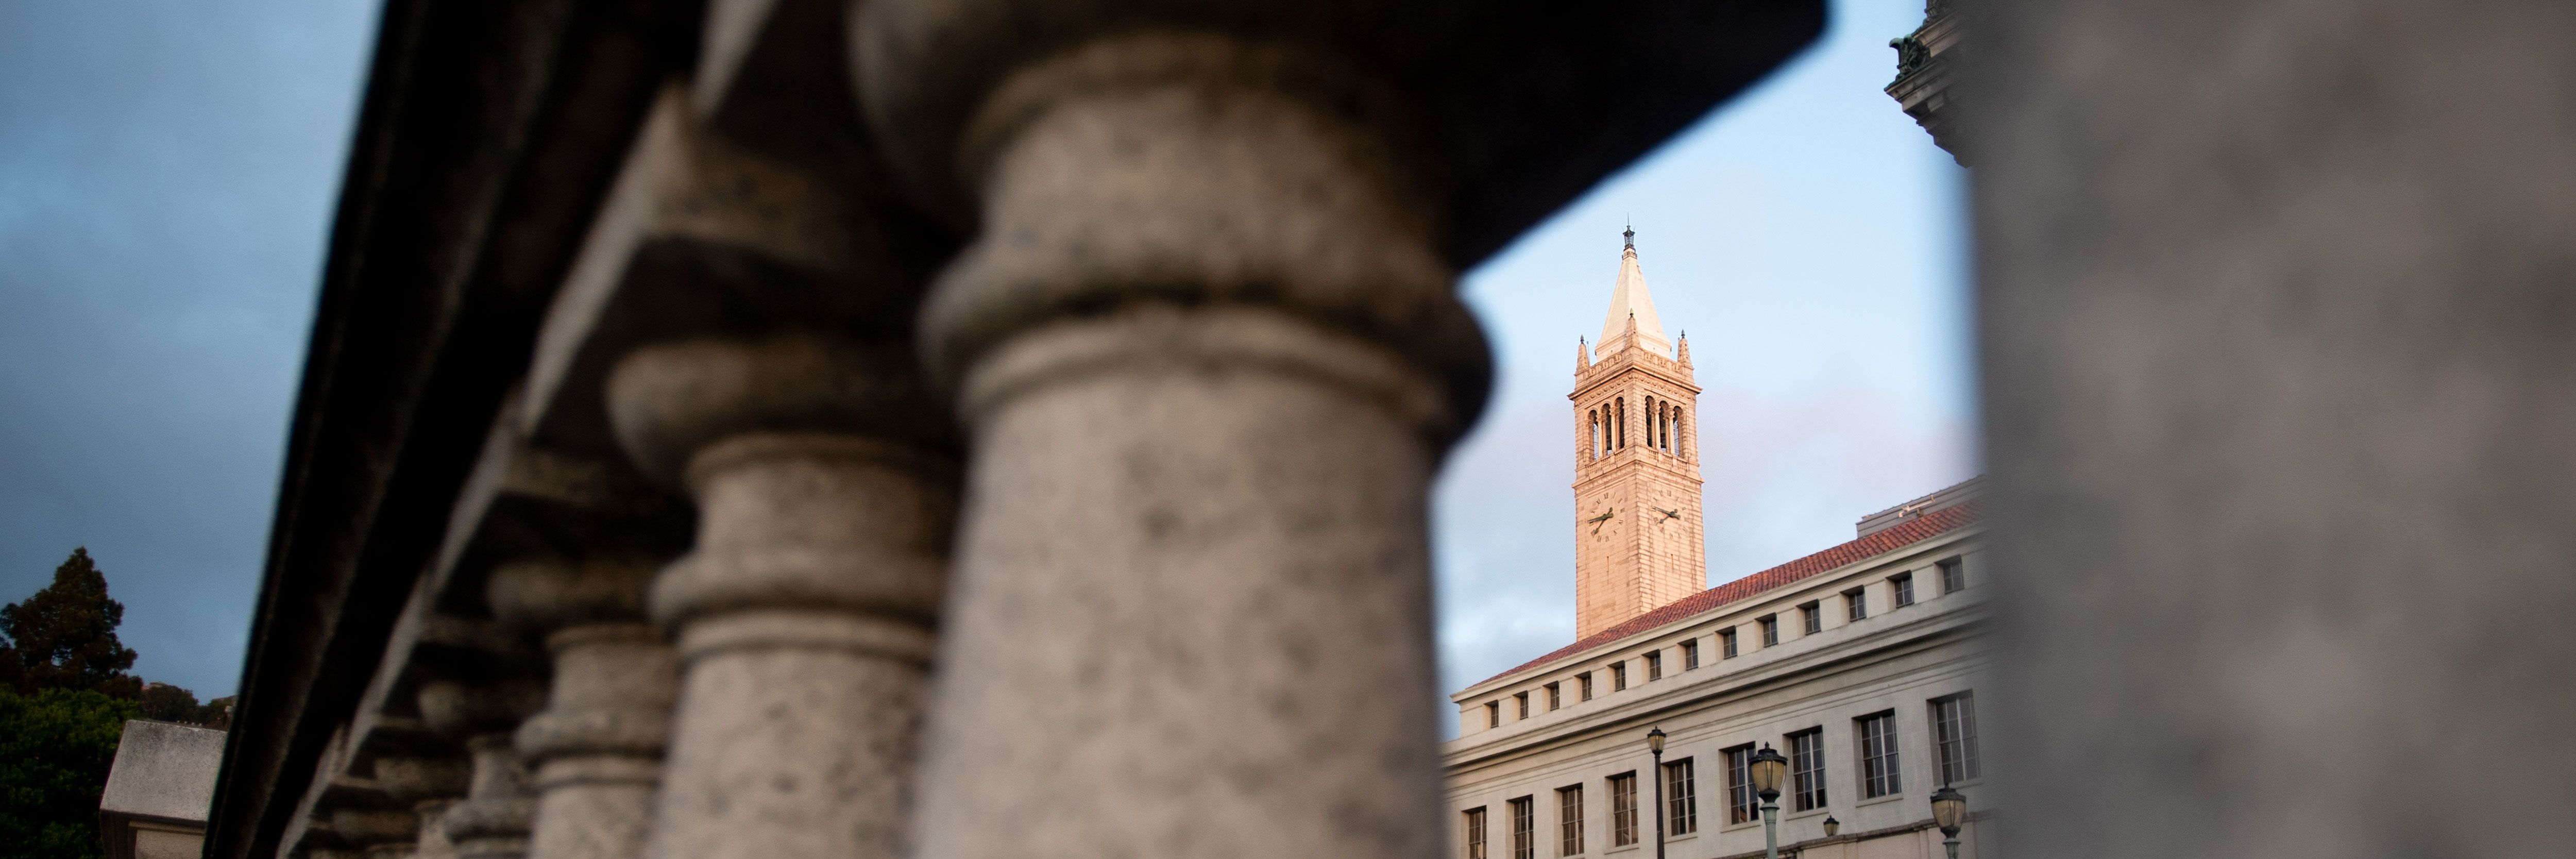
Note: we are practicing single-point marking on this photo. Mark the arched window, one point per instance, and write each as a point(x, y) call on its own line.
point(1677, 430)
point(1671, 416)
point(1622, 430)
point(1592, 442)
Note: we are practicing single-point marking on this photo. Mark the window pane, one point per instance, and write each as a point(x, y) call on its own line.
point(1878, 756)
point(1524, 844)
point(1475, 833)
point(1569, 821)
point(1681, 798)
point(1623, 810)
point(1954, 736)
point(1739, 785)
point(1807, 769)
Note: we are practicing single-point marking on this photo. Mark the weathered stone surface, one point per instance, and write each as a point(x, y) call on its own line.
point(1211, 360)
point(2278, 300)
point(597, 747)
point(163, 770)
point(803, 612)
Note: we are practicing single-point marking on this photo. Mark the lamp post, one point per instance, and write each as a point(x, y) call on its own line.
point(1832, 827)
point(1949, 809)
point(1655, 743)
point(1766, 768)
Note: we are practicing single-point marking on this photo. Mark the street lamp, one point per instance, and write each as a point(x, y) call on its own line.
point(1832, 827)
point(1766, 768)
point(1949, 809)
point(1655, 743)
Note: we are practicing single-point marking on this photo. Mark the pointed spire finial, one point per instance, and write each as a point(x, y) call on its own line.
point(1631, 235)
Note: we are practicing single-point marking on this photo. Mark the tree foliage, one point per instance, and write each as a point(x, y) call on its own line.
point(55, 749)
point(64, 637)
point(173, 704)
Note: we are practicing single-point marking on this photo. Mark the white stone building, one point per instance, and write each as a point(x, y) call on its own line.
point(1860, 663)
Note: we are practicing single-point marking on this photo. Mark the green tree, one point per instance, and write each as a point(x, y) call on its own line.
point(55, 749)
point(174, 704)
point(64, 637)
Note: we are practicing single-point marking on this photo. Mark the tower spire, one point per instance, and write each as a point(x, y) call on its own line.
point(1629, 301)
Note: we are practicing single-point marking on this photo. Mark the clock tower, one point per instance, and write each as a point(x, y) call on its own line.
point(1639, 541)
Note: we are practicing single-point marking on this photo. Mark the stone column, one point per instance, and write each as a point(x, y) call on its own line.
point(2278, 319)
point(597, 748)
point(493, 820)
point(803, 615)
point(429, 786)
point(378, 833)
point(1210, 361)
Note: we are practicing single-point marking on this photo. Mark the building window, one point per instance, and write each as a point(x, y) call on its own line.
point(1553, 699)
point(1954, 575)
point(1811, 619)
point(1622, 420)
point(1493, 714)
point(1583, 683)
point(1681, 798)
point(1740, 798)
point(1524, 829)
point(1476, 833)
point(1954, 736)
point(1618, 676)
point(1878, 773)
point(1569, 821)
point(1807, 769)
point(1623, 809)
point(1521, 701)
point(1903, 585)
point(1655, 665)
point(1690, 654)
point(1770, 624)
point(1726, 643)
point(1856, 603)
point(1679, 449)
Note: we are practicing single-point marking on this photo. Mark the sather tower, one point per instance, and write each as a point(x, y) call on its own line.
point(1638, 536)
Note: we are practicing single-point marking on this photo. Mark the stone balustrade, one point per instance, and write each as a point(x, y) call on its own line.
point(499, 808)
point(597, 748)
point(902, 416)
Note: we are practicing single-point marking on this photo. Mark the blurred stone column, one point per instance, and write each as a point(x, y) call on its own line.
point(380, 833)
point(2278, 308)
point(430, 786)
point(1210, 361)
point(493, 820)
point(803, 615)
point(597, 749)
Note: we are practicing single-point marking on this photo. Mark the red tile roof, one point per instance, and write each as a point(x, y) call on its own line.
point(1933, 524)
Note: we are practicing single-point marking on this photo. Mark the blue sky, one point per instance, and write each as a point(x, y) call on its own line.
point(167, 172)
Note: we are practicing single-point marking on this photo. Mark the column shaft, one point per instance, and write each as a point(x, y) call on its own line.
point(1210, 363)
point(803, 613)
